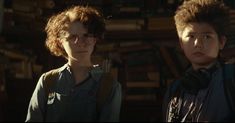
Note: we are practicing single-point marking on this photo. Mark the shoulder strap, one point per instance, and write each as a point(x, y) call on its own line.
point(49, 80)
point(104, 89)
point(229, 84)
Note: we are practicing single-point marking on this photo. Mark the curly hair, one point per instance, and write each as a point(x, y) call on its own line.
point(57, 24)
point(212, 12)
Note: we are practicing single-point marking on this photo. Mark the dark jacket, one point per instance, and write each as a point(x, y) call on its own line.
point(210, 104)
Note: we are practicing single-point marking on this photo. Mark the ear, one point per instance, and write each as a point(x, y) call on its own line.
point(222, 42)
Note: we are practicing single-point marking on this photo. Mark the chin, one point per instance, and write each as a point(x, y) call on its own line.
point(202, 62)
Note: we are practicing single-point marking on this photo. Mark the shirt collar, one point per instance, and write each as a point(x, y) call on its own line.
point(95, 72)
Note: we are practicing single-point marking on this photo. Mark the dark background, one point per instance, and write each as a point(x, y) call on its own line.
point(140, 40)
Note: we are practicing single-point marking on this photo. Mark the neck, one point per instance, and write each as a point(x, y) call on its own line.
point(208, 65)
point(80, 69)
point(78, 65)
point(85, 62)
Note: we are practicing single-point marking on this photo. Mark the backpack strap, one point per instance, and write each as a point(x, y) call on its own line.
point(229, 84)
point(50, 79)
point(104, 90)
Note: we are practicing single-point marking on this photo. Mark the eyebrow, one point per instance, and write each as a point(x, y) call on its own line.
point(207, 32)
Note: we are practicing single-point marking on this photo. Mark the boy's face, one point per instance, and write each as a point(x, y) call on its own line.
point(77, 42)
point(201, 43)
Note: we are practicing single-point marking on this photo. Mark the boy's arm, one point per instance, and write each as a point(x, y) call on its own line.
point(111, 109)
point(36, 108)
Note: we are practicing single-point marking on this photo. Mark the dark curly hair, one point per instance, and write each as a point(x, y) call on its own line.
point(212, 12)
point(57, 24)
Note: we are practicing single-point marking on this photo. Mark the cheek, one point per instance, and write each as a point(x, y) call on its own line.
point(212, 54)
point(213, 50)
point(186, 46)
point(187, 50)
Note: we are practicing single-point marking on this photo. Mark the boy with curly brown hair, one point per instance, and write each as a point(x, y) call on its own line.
point(73, 92)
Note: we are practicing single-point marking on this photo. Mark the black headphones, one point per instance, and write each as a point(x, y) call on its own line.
point(195, 80)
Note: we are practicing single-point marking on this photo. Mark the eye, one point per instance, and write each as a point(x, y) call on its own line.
point(86, 35)
point(72, 37)
point(207, 37)
point(190, 36)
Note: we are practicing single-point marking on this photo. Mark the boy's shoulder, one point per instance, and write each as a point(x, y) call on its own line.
point(229, 84)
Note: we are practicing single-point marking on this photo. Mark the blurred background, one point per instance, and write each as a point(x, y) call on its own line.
point(141, 41)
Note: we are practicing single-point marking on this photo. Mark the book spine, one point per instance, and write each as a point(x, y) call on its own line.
point(1, 15)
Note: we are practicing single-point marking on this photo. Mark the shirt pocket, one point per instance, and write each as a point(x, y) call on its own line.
point(57, 105)
point(57, 98)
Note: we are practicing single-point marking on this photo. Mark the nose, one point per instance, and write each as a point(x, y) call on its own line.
point(198, 43)
point(76, 40)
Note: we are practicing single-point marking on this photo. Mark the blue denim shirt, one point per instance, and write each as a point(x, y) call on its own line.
point(72, 102)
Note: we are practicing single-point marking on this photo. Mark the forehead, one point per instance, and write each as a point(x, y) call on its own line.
point(199, 28)
point(76, 27)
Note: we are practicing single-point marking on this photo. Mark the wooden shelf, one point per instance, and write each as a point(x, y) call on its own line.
point(167, 35)
point(140, 97)
point(144, 84)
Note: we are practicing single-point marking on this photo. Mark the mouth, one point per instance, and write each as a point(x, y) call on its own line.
point(198, 54)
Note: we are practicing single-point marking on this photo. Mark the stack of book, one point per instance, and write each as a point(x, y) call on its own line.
point(124, 24)
point(1, 15)
point(161, 23)
point(142, 74)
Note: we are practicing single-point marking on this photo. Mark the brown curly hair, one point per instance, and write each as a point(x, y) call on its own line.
point(212, 12)
point(58, 24)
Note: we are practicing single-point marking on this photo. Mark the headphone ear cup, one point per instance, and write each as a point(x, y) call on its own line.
point(195, 80)
point(190, 81)
point(205, 78)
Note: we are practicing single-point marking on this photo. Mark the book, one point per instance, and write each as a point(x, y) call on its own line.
point(106, 47)
point(143, 84)
point(151, 97)
point(47, 4)
point(169, 61)
point(135, 48)
point(24, 5)
point(161, 23)
point(124, 24)
point(143, 67)
point(1, 15)
point(24, 17)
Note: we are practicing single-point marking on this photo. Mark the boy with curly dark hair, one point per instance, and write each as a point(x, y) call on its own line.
point(203, 93)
